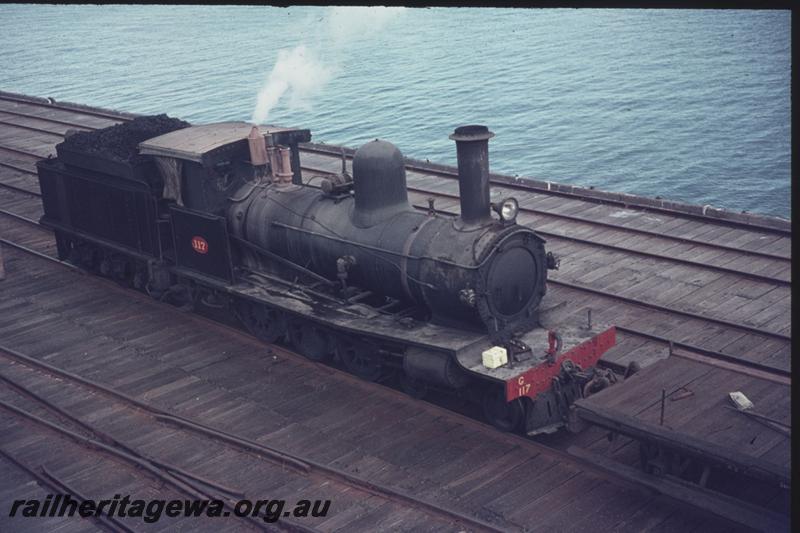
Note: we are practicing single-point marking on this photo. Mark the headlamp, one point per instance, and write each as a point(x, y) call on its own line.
point(507, 209)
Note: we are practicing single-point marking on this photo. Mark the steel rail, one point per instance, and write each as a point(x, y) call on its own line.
point(66, 106)
point(512, 438)
point(158, 474)
point(667, 309)
point(21, 218)
point(23, 152)
point(64, 488)
point(45, 479)
point(756, 370)
point(20, 169)
point(623, 299)
point(283, 458)
point(31, 251)
point(616, 227)
point(753, 517)
point(592, 290)
point(703, 354)
point(530, 185)
point(29, 128)
point(584, 220)
point(525, 185)
point(111, 440)
point(45, 119)
point(20, 189)
point(599, 244)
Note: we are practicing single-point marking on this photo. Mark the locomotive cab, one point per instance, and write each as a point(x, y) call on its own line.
point(204, 165)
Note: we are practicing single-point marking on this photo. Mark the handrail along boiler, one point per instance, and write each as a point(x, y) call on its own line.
point(337, 266)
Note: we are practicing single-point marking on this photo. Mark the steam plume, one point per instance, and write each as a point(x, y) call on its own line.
point(300, 74)
point(297, 72)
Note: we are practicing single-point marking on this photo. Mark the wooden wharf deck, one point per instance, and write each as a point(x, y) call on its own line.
point(185, 364)
point(714, 283)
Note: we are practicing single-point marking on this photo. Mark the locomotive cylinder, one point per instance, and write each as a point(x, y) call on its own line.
point(434, 367)
point(472, 147)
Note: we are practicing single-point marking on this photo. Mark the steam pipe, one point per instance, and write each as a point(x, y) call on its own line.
point(472, 147)
point(297, 176)
point(284, 162)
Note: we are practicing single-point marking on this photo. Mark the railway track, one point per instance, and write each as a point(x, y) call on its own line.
point(608, 298)
point(31, 128)
point(279, 460)
point(22, 218)
point(285, 456)
point(560, 237)
point(544, 217)
point(74, 108)
point(563, 235)
point(22, 190)
point(427, 167)
point(552, 236)
point(283, 459)
point(638, 333)
point(49, 251)
point(159, 472)
point(51, 483)
point(445, 172)
point(335, 153)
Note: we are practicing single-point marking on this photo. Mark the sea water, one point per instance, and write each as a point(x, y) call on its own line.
point(690, 105)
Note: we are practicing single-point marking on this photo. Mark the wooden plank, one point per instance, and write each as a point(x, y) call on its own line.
point(644, 388)
point(782, 246)
point(565, 503)
point(703, 415)
point(612, 515)
point(522, 502)
point(494, 487)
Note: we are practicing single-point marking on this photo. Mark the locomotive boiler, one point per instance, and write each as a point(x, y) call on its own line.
point(470, 271)
point(338, 265)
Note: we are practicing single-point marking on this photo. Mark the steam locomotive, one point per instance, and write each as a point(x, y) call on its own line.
point(336, 266)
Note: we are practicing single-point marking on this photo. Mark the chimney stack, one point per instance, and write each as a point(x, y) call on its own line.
point(472, 147)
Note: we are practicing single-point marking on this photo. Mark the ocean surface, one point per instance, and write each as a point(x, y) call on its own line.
point(690, 105)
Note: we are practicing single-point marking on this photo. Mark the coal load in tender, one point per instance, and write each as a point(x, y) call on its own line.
point(120, 142)
point(110, 149)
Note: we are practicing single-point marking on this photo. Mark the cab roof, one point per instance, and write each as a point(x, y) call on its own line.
point(195, 143)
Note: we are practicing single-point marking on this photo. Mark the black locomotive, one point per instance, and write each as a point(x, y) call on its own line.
point(333, 265)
